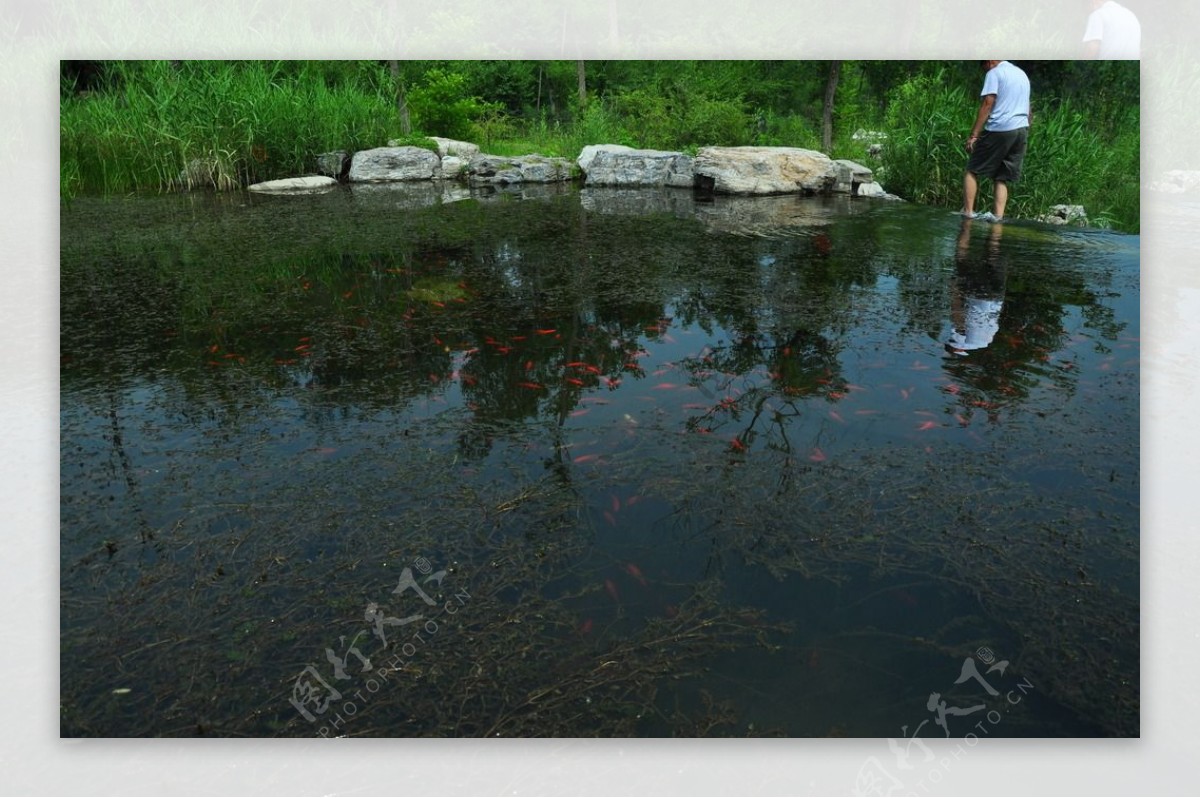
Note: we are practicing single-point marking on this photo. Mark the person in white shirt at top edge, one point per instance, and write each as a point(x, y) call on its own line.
point(1112, 32)
point(998, 137)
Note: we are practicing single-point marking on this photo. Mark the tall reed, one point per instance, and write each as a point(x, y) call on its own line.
point(211, 123)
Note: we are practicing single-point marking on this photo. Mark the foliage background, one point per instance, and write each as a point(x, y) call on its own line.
point(127, 125)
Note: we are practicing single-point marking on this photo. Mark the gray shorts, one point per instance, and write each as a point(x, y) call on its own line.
point(998, 154)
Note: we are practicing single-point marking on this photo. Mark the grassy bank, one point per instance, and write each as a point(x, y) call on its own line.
point(169, 125)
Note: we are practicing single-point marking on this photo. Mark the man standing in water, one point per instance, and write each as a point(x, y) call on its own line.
point(998, 138)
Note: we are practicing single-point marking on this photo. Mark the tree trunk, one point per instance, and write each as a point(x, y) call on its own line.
point(401, 99)
point(835, 68)
point(579, 70)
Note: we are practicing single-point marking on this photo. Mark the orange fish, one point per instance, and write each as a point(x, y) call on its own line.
point(611, 587)
point(548, 331)
point(636, 573)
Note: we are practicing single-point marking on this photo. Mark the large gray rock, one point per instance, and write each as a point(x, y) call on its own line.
point(453, 167)
point(850, 176)
point(334, 164)
point(462, 149)
point(628, 168)
point(386, 164)
point(764, 170)
point(589, 153)
point(499, 170)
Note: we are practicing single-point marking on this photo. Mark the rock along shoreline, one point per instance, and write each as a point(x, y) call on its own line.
point(747, 171)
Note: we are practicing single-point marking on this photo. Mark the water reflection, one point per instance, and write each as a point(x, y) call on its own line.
point(977, 296)
point(619, 413)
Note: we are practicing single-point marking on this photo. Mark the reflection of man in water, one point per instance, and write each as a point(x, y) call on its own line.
point(977, 293)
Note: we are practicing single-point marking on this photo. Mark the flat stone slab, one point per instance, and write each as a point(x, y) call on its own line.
point(764, 170)
point(627, 168)
point(292, 185)
point(386, 164)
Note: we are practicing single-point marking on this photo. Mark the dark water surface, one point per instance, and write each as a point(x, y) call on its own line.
point(582, 462)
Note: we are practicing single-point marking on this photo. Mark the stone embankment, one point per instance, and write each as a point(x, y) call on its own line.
point(746, 171)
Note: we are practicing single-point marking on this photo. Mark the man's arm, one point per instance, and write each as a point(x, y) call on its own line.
point(985, 110)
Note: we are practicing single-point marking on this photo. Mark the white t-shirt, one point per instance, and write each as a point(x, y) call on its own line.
point(1117, 30)
point(1011, 87)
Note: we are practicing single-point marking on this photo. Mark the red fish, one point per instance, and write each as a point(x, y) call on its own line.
point(574, 381)
point(611, 587)
point(529, 365)
point(533, 386)
point(817, 455)
point(924, 425)
point(616, 503)
point(836, 417)
point(737, 445)
point(547, 331)
point(585, 627)
point(636, 573)
point(585, 458)
point(610, 518)
point(577, 413)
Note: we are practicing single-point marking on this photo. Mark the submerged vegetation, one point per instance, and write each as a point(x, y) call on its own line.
point(680, 482)
point(129, 125)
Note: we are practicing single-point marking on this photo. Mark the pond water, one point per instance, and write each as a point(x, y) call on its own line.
point(574, 462)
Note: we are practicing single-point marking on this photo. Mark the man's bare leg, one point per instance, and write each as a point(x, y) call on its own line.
point(970, 189)
point(1001, 198)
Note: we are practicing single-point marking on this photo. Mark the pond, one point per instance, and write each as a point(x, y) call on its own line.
point(574, 462)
